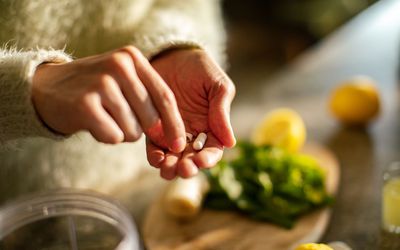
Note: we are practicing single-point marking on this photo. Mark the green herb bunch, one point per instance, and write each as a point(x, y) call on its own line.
point(269, 184)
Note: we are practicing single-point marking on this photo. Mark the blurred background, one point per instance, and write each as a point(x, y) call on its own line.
point(269, 34)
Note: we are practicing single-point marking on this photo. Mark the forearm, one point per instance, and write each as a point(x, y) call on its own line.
point(18, 117)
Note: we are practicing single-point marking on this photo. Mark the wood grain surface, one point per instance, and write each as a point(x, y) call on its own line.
point(223, 230)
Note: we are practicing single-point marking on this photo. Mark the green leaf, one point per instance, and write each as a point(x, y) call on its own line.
point(268, 184)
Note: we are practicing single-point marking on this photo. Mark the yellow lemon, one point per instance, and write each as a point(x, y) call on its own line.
point(313, 246)
point(281, 127)
point(355, 102)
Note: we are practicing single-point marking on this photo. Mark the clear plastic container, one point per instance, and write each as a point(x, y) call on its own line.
point(67, 219)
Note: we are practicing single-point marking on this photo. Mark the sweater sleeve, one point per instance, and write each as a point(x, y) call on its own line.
point(18, 117)
point(177, 23)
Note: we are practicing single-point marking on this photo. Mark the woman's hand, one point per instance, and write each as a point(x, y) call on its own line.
point(204, 94)
point(115, 96)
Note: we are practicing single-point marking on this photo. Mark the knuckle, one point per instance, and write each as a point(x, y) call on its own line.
point(105, 83)
point(86, 102)
point(132, 50)
point(224, 86)
point(154, 122)
point(112, 138)
point(168, 98)
point(118, 60)
point(120, 108)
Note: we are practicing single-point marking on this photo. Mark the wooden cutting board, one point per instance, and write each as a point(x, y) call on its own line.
point(224, 230)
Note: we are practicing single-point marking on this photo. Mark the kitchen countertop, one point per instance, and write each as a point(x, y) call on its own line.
point(368, 45)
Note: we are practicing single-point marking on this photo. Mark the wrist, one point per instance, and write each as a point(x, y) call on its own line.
point(41, 73)
point(40, 80)
point(175, 50)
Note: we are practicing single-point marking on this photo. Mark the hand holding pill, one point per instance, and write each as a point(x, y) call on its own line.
point(203, 94)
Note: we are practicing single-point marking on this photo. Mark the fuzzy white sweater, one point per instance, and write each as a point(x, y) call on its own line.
point(33, 158)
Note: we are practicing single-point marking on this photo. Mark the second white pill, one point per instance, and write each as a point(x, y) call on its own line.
point(200, 141)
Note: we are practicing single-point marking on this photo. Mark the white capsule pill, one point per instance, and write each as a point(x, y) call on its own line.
point(189, 137)
point(199, 142)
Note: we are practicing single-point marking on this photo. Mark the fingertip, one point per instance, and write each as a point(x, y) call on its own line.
point(114, 136)
point(168, 166)
point(117, 137)
point(222, 129)
point(203, 162)
point(133, 134)
point(187, 169)
point(155, 155)
point(211, 154)
point(167, 175)
point(178, 145)
point(207, 158)
point(231, 142)
point(107, 131)
point(226, 136)
point(156, 158)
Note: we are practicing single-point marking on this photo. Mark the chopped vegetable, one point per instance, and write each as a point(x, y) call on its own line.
point(184, 197)
point(268, 183)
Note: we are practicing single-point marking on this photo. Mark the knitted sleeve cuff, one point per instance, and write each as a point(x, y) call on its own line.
point(18, 117)
point(182, 24)
point(152, 46)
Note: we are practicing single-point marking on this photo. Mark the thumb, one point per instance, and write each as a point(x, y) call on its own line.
point(221, 97)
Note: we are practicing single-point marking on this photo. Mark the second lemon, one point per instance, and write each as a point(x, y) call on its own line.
point(356, 101)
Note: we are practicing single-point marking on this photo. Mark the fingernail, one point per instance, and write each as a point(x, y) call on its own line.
point(158, 158)
point(178, 144)
point(170, 161)
point(188, 171)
